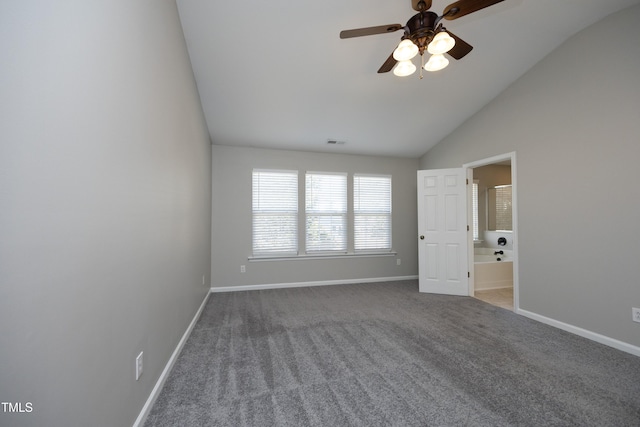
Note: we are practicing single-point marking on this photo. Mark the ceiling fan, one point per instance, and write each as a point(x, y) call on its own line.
point(424, 31)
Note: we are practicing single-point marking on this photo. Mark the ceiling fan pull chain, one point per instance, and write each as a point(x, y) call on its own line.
point(421, 65)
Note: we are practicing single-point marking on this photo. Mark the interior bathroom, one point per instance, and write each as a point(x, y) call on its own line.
point(493, 234)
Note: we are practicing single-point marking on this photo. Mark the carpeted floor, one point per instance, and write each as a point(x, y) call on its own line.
point(382, 354)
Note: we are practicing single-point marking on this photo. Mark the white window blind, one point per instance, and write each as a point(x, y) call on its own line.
point(326, 211)
point(372, 212)
point(503, 207)
point(275, 212)
point(475, 210)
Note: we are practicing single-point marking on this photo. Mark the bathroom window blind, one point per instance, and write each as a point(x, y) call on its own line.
point(275, 212)
point(503, 208)
point(474, 192)
point(372, 212)
point(326, 212)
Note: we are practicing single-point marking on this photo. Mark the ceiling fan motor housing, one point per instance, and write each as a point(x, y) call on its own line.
point(421, 28)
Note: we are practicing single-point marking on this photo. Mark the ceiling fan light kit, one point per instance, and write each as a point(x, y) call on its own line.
point(436, 62)
point(405, 50)
point(441, 43)
point(423, 32)
point(404, 68)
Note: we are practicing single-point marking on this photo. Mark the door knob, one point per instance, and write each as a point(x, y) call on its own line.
point(421, 237)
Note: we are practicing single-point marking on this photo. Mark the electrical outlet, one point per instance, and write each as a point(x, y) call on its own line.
point(636, 314)
point(398, 261)
point(139, 366)
point(243, 269)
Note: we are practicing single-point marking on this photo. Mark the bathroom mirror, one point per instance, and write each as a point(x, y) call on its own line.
point(499, 208)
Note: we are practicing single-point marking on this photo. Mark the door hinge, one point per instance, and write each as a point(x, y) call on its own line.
point(468, 274)
point(467, 181)
point(467, 228)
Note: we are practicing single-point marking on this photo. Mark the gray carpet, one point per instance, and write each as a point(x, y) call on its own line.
point(382, 354)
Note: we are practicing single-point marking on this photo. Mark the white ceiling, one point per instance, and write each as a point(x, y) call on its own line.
point(275, 74)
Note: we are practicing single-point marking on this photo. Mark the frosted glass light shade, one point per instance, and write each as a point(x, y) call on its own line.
point(441, 43)
point(405, 50)
point(436, 62)
point(404, 68)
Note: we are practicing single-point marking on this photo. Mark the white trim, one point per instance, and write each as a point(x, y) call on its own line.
point(593, 336)
point(275, 170)
point(360, 254)
point(386, 175)
point(142, 417)
point(514, 213)
point(491, 160)
point(307, 284)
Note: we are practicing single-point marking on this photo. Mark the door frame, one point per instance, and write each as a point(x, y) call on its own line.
point(514, 214)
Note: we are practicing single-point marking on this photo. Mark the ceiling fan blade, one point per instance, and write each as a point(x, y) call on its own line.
point(368, 31)
point(465, 7)
point(388, 64)
point(415, 4)
point(460, 49)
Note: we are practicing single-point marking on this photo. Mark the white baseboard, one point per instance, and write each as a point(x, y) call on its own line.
point(306, 284)
point(167, 369)
point(602, 339)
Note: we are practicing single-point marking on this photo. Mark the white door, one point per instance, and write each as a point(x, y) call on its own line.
point(442, 231)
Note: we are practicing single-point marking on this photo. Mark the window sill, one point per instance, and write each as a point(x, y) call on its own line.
point(321, 256)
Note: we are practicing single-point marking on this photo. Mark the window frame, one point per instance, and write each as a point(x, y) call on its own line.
point(359, 211)
point(302, 250)
point(340, 212)
point(291, 210)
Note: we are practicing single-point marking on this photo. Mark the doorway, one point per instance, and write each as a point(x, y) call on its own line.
point(493, 250)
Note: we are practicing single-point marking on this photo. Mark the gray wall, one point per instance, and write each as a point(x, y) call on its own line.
point(231, 228)
point(574, 122)
point(105, 186)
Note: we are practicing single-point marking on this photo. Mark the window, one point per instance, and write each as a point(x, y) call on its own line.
point(326, 211)
point(275, 212)
point(325, 216)
point(503, 207)
point(475, 210)
point(372, 212)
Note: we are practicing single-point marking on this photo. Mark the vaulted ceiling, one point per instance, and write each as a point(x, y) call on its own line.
point(275, 74)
